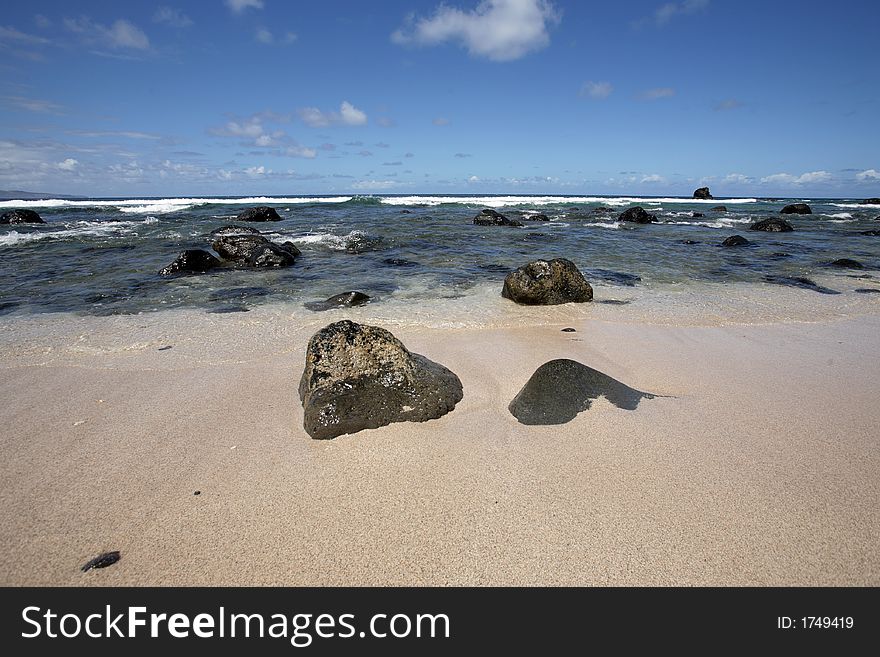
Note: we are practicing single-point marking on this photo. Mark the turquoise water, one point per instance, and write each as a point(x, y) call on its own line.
point(103, 256)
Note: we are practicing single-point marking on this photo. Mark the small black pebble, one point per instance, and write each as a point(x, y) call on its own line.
point(102, 561)
point(569, 330)
point(166, 348)
point(198, 492)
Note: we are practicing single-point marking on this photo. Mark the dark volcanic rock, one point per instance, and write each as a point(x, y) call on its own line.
point(799, 281)
point(702, 192)
point(846, 263)
point(602, 210)
point(719, 208)
point(544, 283)
point(689, 242)
point(637, 215)
point(735, 240)
point(273, 255)
point(569, 330)
point(796, 208)
point(247, 248)
point(867, 290)
point(234, 230)
point(344, 300)
point(697, 215)
point(21, 217)
point(560, 389)
point(870, 201)
point(489, 217)
point(102, 561)
point(772, 225)
point(191, 261)
point(400, 262)
point(873, 233)
point(261, 213)
point(361, 377)
point(537, 217)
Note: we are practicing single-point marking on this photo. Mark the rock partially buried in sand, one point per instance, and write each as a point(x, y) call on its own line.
point(102, 561)
point(260, 213)
point(796, 208)
point(191, 261)
point(560, 389)
point(489, 217)
point(735, 240)
point(637, 215)
point(772, 225)
point(847, 263)
point(547, 283)
point(21, 217)
point(702, 192)
point(344, 300)
point(361, 377)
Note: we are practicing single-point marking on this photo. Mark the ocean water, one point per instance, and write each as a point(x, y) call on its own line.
point(102, 257)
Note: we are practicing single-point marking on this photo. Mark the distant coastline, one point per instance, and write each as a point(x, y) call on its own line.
point(17, 194)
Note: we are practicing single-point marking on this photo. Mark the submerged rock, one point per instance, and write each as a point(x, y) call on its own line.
point(846, 263)
point(637, 215)
point(489, 217)
point(796, 208)
point(344, 300)
point(560, 389)
point(102, 561)
point(537, 217)
point(735, 240)
point(799, 281)
point(870, 201)
point(873, 233)
point(361, 377)
point(772, 225)
point(271, 255)
point(260, 213)
point(702, 192)
point(719, 208)
point(544, 283)
point(191, 261)
point(21, 217)
point(697, 215)
point(616, 277)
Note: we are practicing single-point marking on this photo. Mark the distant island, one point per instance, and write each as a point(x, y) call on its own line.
point(16, 194)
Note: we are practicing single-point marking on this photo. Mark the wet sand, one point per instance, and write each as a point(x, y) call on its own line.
point(758, 463)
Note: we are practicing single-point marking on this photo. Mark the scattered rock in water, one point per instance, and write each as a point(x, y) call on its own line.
point(222, 310)
point(637, 215)
point(238, 293)
point(867, 290)
point(772, 225)
point(780, 254)
point(191, 261)
point(847, 263)
point(344, 300)
point(406, 212)
point(689, 242)
point(870, 201)
point(702, 192)
point(697, 215)
point(617, 277)
point(238, 248)
point(260, 213)
point(271, 255)
point(357, 241)
point(543, 283)
point(735, 240)
point(224, 231)
point(560, 389)
point(21, 217)
point(796, 208)
point(719, 208)
point(400, 262)
point(102, 561)
point(569, 330)
point(361, 377)
point(873, 233)
point(489, 217)
point(798, 281)
point(537, 217)
point(602, 210)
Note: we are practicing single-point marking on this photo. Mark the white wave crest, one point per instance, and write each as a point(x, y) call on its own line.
point(841, 215)
point(504, 201)
point(165, 205)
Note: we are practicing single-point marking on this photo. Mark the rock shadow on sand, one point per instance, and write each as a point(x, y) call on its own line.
point(562, 388)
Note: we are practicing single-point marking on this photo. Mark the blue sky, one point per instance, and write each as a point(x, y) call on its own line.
point(501, 96)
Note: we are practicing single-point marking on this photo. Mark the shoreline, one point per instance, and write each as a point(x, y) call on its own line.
point(759, 466)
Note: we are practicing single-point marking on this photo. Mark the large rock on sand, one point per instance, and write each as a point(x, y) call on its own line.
point(260, 213)
point(21, 217)
point(547, 282)
point(702, 192)
point(362, 377)
point(637, 215)
point(560, 389)
point(772, 225)
point(489, 217)
point(797, 208)
point(191, 261)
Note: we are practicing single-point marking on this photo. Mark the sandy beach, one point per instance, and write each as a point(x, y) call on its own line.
point(757, 464)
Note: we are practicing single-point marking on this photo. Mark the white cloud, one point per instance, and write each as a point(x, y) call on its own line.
point(11, 34)
point(501, 30)
point(301, 151)
point(264, 36)
point(440, 121)
point(251, 128)
point(348, 114)
point(657, 93)
point(256, 172)
point(121, 34)
point(868, 174)
point(666, 12)
point(374, 184)
point(239, 6)
point(33, 104)
point(804, 178)
point(737, 179)
point(171, 16)
point(68, 165)
point(727, 104)
point(473, 179)
point(42, 21)
point(653, 178)
point(597, 90)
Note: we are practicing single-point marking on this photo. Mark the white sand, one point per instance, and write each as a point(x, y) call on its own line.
point(760, 467)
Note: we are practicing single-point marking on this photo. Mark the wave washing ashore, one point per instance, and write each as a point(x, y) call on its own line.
point(410, 252)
